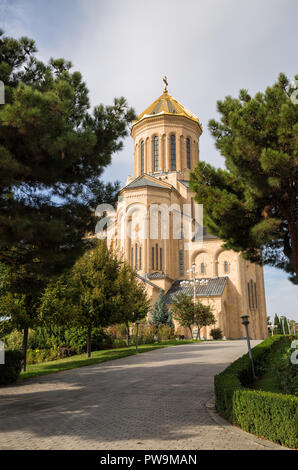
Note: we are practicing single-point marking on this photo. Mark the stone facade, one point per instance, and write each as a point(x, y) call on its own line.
point(159, 244)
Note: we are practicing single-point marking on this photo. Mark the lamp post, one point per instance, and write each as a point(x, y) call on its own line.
point(193, 282)
point(137, 337)
point(245, 322)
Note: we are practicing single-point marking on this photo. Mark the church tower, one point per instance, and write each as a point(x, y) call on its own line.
point(166, 140)
point(156, 219)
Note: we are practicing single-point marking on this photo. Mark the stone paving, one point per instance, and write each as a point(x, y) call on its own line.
point(161, 399)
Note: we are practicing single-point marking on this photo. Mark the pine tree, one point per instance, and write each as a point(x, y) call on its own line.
point(53, 151)
point(253, 204)
point(160, 314)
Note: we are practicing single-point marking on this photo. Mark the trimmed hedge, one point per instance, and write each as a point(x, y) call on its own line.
point(271, 415)
point(10, 371)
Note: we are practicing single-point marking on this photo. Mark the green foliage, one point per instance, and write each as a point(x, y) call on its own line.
point(10, 371)
point(188, 313)
point(13, 340)
point(52, 153)
point(76, 338)
point(160, 314)
point(183, 310)
point(271, 415)
point(216, 333)
point(97, 292)
point(253, 204)
point(35, 356)
point(287, 373)
point(147, 333)
point(165, 332)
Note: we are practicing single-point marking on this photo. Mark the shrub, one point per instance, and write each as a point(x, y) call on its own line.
point(147, 333)
point(76, 338)
point(119, 343)
point(65, 352)
point(10, 371)
point(267, 414)
point(35, 356)
point(287, 374)
point(216, 333)
point(166, 332)
point(14, 340)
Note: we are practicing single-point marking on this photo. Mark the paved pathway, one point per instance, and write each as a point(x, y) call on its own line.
point(162, 399)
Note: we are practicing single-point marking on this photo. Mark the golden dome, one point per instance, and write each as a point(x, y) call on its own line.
point(166, 105)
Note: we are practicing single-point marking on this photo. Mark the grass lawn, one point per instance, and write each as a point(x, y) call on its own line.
point(81, 360)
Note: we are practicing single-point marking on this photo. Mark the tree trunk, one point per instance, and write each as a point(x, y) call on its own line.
point(190, 332)
point(294, 246)
point(198, 334)
point(292, 221)
point(89, 334)
point(25, 346)
point(127, 334)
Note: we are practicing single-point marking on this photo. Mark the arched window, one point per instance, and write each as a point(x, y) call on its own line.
point(181, 262)
point(156, 153)
point(160, 259)
point(226, 267)
point(252, 293)
point(142, 157)
point(256, 300)
point(173, 152)
point(202, 268)
point(132, 257)
point(140, 258)
point(156, 255)
point(136, 256)
point(188, 152)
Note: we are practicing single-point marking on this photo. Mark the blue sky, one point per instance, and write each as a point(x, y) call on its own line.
point(207, 50)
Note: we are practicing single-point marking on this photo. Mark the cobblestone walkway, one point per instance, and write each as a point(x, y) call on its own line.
point(162, 399)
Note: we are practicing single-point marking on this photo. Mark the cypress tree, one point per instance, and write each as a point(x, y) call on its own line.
point(160, 314)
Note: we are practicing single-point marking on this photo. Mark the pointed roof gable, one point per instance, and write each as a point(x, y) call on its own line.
point(147, 180)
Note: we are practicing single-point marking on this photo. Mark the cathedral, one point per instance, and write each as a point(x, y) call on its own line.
point(158, 227)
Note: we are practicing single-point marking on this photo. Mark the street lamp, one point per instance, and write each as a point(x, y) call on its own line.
point(245, 322)
point(137, 337)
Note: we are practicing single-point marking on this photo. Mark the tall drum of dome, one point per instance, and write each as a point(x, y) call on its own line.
point(166, 138)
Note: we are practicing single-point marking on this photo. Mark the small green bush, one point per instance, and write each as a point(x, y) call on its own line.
point(267, 414)
point(76, 338)
point(10, 371)
point(165, 332)
point(216, 333)
point(35, 356)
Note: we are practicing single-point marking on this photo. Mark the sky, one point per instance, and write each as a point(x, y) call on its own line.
point(207, 49)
